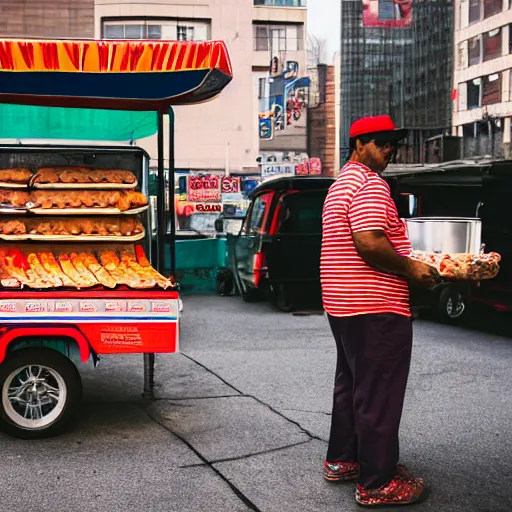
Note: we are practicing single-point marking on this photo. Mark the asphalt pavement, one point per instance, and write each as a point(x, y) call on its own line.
point(241, 419)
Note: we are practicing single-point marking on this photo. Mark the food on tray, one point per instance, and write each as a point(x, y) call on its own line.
point(85, 226)
point(473, 267)
point(81, 226)
point(107, 267)
point(12, 227)
point(82, 175)
point(14, 198)
point(15, 176)
point(123, 200)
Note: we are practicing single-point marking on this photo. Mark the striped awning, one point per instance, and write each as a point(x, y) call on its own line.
point(135, 75)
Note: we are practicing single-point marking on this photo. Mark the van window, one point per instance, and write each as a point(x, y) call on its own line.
point(301, 212)
point(259, 213)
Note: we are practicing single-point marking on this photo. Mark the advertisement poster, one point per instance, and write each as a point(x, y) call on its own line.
point(204, 189)
point(387, 13)
point(230, 185)
point(287, 100)
point(266, 128)
point(315, 166)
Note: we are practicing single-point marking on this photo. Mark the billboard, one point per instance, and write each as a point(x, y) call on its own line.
point(287, 99)
point(387, 13)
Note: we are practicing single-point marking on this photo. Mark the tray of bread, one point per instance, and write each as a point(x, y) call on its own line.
point(80, 229)
point(462, 267)
point(45, 267)
point(73, 202)
point(75, 178)
point(15, 178)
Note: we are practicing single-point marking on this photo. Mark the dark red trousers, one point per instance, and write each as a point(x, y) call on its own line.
point(372, 368)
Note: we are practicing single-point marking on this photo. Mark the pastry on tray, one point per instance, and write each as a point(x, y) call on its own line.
point(465, 266)
point(123, 200)
point(106, 267)
point(12, 227)
point(14, 198)
point(83, 175)
point(115, 226)
point(20, 176)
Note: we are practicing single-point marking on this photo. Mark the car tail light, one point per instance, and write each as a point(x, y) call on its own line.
point(260, 269)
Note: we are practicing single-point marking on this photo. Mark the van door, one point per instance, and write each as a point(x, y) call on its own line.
point(248, 244)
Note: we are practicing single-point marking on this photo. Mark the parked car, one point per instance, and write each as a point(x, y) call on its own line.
point(276, 254)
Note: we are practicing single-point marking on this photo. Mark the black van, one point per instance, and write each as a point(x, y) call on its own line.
point(276, 255)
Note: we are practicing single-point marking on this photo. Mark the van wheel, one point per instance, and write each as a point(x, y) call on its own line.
point(281, 299)
point(41, 389)
point(452, 306)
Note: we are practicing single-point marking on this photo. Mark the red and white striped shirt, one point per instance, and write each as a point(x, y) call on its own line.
point(360, 200)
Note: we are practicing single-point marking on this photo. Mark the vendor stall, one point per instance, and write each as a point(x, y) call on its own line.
point(80, 270)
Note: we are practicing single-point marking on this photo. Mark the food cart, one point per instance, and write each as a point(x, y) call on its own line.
point(81, 273)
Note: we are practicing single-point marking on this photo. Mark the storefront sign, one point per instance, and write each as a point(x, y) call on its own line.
point(269, 170)
point(204, 189)
point(230, 185)
point(208, 208)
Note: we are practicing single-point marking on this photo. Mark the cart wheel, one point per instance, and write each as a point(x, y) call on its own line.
point(281, 299)
point(225, 283)
point(41, 389)
point(452, 305)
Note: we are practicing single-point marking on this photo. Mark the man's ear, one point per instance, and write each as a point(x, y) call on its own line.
point(359, 146)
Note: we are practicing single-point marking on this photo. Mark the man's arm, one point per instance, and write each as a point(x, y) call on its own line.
point(368, 221)
point(376, 250)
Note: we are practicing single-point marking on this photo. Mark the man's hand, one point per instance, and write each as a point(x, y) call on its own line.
point(422, 273)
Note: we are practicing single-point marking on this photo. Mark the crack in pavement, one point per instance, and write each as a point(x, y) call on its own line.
point(268, 406)
point(238, 493)
point(309, 412)
point(248, 456)
point(177, 399)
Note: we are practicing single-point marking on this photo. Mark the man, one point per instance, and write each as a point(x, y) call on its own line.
point(365, 266)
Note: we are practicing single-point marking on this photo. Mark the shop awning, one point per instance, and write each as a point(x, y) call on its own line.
point(119, 75)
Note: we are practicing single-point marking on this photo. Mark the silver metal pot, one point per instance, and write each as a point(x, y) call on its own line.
point(445, 234)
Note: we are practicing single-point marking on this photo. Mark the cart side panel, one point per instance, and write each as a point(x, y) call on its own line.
point(132, 338)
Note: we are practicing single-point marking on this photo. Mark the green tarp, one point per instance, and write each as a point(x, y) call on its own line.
point(27, 122)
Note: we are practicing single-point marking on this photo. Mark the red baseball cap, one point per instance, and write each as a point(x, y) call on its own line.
point(382, 125)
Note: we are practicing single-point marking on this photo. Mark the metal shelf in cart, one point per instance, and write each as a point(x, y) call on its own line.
point(151, 76)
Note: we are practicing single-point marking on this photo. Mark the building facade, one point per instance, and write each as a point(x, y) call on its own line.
point(222, 135)
point(396, 58)
point(482, 77)
point(322, 133)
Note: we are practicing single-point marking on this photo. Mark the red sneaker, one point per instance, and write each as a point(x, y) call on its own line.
point(341, 471)
point(401, 490)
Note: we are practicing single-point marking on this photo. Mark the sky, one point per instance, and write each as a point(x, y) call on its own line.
point(324, 22)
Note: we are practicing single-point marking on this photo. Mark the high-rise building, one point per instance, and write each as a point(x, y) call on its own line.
point(482, 76)
point(396, 58)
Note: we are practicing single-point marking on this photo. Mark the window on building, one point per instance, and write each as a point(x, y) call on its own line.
point(492, 7)
point(473, 93)
point(184, 33)
point(274, 38)
point(165, 28)
point(492, 44)
point(474, 10)
point(474, 51)
point(491, 89)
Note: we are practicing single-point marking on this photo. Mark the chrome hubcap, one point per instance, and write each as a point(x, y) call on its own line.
point(34, 396)
point(454, 311)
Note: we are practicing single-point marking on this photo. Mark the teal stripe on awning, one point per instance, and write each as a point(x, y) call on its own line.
point(28, 122)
